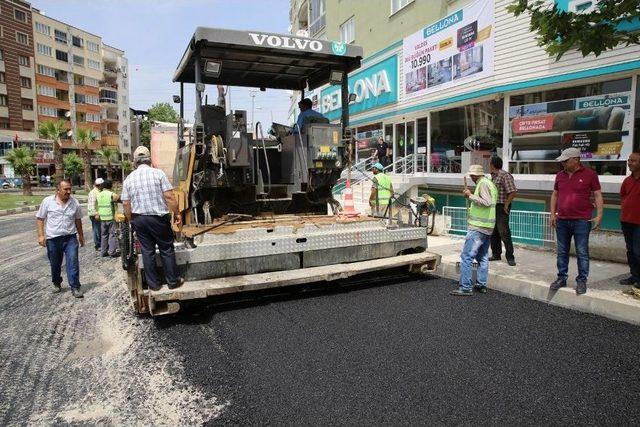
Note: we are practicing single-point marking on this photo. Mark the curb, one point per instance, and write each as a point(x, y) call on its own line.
point(14, 211)
point(600, 305)
point(24, 209)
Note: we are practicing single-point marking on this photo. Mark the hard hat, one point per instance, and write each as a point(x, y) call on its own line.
point(99, 181)
point(141, 151)
point(378, 166)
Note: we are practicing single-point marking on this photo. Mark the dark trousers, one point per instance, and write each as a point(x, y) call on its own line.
point(64, 247)
point(155, 230)
point(501, 233)
point(95, 227)
point(109, 242)
point(632, 239)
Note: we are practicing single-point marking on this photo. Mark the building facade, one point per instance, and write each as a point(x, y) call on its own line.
point(72, 76)
point(463, 80)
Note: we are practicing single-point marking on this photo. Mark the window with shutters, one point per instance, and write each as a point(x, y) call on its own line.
point(22, 38)
point(43, 49)
point(23, 60)
point(25, 82)
point(43, 29)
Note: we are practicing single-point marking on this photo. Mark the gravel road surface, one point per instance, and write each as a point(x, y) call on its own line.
point(383, 349)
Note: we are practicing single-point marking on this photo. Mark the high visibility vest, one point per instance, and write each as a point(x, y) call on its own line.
point(384, 189)
point(481, 216)
point(105, 205)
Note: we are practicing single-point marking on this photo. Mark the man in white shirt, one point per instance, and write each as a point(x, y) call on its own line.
point(59, 222)
point(147, 196)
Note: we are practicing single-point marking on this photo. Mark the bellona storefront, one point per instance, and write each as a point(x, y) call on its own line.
point(475, 84)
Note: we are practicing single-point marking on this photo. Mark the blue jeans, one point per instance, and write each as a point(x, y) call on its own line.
point(579, 229)
point(67, 247)
point(632, 239)
point(95, 226)
point(476, 246)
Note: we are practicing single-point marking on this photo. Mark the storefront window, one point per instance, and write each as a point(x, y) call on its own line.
point(636, 121)
point(421, 148)
point(594, 118)
point(465, 135)
point(367, 138)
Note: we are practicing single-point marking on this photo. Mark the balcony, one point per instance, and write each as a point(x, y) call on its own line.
point(111, 140)
point(109, 70)
point(105, 85)
point(109, 118)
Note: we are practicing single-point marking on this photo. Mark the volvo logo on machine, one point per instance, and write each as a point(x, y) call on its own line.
point(273, 40)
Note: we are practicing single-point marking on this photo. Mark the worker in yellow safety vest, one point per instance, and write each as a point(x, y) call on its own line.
point(481, 220)
point(381, 190)
point(105, 207)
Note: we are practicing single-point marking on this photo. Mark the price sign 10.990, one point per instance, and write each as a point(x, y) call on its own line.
point(420, 61)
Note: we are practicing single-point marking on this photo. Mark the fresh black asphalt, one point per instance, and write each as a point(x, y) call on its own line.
point(397, 351)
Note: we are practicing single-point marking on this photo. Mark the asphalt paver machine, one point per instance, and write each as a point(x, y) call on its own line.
point(258, 210)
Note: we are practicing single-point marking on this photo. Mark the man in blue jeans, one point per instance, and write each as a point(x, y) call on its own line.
point(481, 221)
point(571, 215)
point(59, 222)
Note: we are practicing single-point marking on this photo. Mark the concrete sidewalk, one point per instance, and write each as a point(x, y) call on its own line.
point(536, 269)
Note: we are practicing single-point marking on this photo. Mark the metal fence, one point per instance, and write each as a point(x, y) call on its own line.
point(526, 226)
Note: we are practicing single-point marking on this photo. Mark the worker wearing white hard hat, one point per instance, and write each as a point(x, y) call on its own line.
point(92, 210)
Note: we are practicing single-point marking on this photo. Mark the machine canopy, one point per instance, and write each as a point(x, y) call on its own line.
point(265, 60)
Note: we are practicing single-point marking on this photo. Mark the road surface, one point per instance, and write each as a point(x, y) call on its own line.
point(384, 349)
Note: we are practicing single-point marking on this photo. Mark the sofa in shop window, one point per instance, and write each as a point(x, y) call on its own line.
point(605, 122)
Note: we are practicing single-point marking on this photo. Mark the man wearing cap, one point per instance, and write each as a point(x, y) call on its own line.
point(147, 196)
point(481, 221)
point(306, 110)
point(571, 215)
point(105, 206)
point(91, 211)
point(381, 190)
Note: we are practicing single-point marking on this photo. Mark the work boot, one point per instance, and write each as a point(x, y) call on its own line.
point(511, 262)
point(179, 283)
point(461, 293)
point(57, 288)
point(77, 293)
point(557, 284)
point(581, 288)
point(495, 258)
point(480, 289)
point(627, 282)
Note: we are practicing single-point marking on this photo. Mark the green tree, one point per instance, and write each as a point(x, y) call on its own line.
point(127, 167)
point(107, 154)
point(560, 31)
point(73, 165)
point(159, 112)
point(21, 160)
point(53, 130)
point(84, 138)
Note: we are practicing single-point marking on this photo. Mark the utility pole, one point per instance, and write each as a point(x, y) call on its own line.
point(252, 94)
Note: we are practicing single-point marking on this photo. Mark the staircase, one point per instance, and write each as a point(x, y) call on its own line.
point(361, 176)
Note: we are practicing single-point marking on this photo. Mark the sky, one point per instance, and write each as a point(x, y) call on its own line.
point(154, 34)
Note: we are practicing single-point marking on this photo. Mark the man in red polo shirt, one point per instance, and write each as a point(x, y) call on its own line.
point(630, 220)
point(571, 215)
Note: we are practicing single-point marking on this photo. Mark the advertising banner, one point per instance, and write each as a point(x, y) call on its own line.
point(454, 50)
point(374, 87)
point(598, 125)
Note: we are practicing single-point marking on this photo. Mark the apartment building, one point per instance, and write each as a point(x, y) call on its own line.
point(51, 70)
point(17, 79)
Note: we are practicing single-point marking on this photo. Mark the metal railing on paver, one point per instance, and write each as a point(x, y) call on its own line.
point(526, 226)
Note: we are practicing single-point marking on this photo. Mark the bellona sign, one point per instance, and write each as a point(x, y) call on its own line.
point(374, 86)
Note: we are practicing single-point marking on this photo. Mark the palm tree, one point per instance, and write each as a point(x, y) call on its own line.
point(53, 130)
point(21, 160)
point(84, 138)
point(73, 165)
point(107, 154)
point(127, 167)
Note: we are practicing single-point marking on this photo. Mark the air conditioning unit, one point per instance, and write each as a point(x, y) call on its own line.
point(582, 6)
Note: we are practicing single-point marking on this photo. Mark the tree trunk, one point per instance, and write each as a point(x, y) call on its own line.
point(57, 160)
point(26, 185)
point(87, 170)
point(109, 173)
